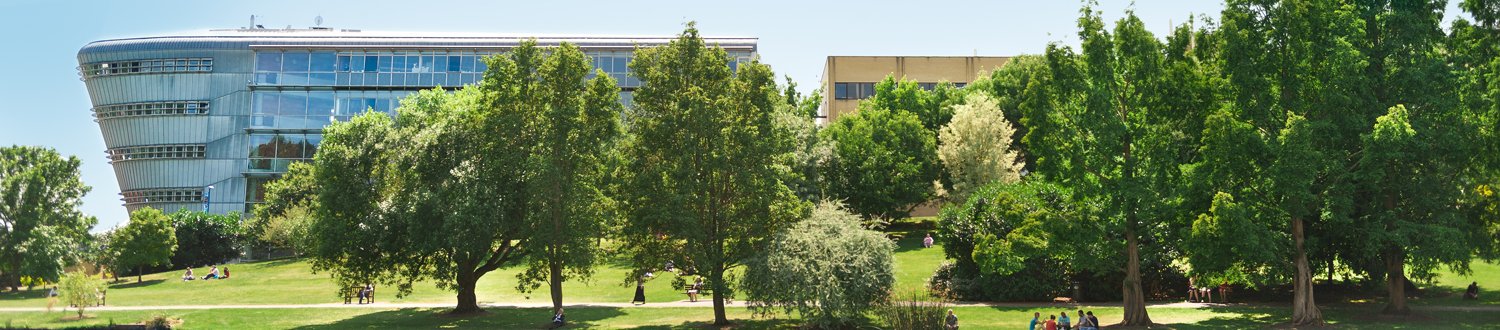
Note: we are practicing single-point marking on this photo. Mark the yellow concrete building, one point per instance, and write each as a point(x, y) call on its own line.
point(849, 79)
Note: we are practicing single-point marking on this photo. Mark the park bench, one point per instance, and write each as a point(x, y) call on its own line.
point(707, 293)
point(352, 293)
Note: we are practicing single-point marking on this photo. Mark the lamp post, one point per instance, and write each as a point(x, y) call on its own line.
point(206, 194)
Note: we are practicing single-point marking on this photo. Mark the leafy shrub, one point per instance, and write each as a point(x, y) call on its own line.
point(160, 322)
point(914, 310)
point(826, 268)
point(79, 289)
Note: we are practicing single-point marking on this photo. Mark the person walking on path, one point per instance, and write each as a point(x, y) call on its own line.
point(640, 292)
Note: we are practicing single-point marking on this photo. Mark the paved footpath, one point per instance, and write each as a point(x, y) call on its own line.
point(680, 303)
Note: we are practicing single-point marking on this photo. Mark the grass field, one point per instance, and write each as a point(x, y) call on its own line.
point(292, 282)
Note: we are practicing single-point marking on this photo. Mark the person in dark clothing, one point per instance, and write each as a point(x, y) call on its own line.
point(558, 319)
point(640, 292)
point(1473, 292)
point(1094, 320)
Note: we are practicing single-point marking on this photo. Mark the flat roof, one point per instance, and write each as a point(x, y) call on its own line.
point(347, 38)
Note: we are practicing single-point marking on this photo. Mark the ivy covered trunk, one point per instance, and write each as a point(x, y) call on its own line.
point(1304, 307)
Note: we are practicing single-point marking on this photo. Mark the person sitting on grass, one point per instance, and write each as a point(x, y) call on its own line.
point(1051, 322)
point(1473, 292)
point(1064, 322)
point(188, 276)
point(213, 273)
point(1035, 318)
point(951, 323)
point(927, 241)
point(226, 273)
point(558, 319)
point(1094, 320)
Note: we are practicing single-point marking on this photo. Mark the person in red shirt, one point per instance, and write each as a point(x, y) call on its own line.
point(1051, 322)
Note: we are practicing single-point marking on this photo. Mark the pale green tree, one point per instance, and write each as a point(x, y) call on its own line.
point(975, 146)
point(80, 290)
point(826, 268)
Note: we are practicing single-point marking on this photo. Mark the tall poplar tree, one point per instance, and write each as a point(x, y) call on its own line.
point(706, 192)
point(577, 129)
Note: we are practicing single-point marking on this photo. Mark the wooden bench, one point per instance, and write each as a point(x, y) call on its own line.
point(1064, 300)
point(353, 293)
point(708, 294)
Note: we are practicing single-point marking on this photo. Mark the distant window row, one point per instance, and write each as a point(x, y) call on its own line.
point(165, 195)
point(330, 61)
point(151, 109)
point(147, 66)
point(454, 79)
point(853, 91)
point(165, 151)
point(313, 110)
point(860, 91)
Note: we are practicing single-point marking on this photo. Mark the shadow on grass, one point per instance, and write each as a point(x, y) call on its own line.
point(134, 284)
point(34, 293)
point(527, 318)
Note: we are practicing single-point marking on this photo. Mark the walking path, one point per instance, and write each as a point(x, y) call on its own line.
point(674, 304)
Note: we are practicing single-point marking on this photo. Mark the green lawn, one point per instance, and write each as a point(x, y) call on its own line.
point(663, 318)
point(292, 282)
point(1450, 286)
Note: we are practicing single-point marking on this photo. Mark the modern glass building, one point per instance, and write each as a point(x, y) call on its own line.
point(204, 120)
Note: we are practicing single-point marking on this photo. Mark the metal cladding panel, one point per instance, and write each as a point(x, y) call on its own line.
point(140, 131)
point(109, 90)
point(172, 173)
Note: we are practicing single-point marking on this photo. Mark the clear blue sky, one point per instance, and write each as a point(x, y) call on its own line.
point(42, 102)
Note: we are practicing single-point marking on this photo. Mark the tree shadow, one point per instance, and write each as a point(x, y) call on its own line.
point(34, 293)
point(492, 318)
point(133, 284)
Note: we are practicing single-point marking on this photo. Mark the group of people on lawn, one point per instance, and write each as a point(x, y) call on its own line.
point(1206, 294)
point(1086, 321)
point(213, 273)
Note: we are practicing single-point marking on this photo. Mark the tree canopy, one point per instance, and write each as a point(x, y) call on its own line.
point(705, 192)
point(40, 220)
point(147, 240)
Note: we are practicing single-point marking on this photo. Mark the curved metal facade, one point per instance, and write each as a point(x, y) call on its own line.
point(229, 109)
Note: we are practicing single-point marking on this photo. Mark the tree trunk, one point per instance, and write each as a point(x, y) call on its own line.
point(556, 282)
point(1135, 298)
point(1395, 282)
point(467, 302)
point(717, 276)
point(138, 270)
point(1304, 307)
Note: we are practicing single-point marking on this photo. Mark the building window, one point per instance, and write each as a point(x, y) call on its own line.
point(167, 65)
point(853, 91)
point(165, 151)
point(162, 195)
point(275, 152)
point(169, 108)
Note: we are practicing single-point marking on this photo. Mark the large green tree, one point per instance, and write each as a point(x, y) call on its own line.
point(40, 223)
point(148, 240)
point(885, 162)
point(1111, 131)
point(706, 191)
point(577, 123)
point(463, 183)
point(281, 221)
point(205, 238)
